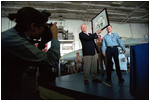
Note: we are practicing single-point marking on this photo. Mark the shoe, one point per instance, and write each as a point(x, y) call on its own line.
point(97, 80)
point(121, 80)
point(86, 82)
point(107, 79)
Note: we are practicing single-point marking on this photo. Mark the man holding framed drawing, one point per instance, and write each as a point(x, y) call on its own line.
point(89, 51)
point(89, 48)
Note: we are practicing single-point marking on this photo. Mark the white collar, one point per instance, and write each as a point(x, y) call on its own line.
point(86, 33)
point(109, 33)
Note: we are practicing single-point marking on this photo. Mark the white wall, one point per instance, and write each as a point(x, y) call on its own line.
point(124, 30)
point(6, 24)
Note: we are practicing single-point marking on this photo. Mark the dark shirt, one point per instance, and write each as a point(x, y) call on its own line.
point(17, 53)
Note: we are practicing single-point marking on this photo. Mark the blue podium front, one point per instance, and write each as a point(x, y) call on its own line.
point(139, 75)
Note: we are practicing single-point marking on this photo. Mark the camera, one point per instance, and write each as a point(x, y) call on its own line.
point(47, 34)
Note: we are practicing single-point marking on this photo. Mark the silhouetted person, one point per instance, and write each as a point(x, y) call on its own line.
point(19, 52)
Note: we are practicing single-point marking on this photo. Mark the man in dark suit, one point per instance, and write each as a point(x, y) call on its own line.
point(89, 50)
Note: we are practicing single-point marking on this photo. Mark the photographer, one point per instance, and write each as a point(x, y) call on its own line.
point(18, 50)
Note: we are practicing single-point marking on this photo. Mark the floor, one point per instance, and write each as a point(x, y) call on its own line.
point(73, 86)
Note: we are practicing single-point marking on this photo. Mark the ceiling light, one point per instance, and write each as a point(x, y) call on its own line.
point(117, 3)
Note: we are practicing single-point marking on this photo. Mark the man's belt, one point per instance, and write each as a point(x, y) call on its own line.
point(111, 46)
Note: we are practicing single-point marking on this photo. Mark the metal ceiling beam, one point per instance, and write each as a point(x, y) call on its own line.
point(129, 15)
point(73, 10)
point(86, 10)
point(95, 5)
point(85, 4)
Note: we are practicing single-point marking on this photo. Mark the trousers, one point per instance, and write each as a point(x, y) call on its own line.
point(112, 52)
point(90, 63)
point(101, 59)
point(78, 66)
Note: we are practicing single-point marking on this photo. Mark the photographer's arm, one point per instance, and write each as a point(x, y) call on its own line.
point(35, 57)
point(54, 51)
point(50, 33)
point(54, 31)
point(18, 47)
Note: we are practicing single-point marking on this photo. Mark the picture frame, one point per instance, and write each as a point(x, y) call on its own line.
point(100, 21)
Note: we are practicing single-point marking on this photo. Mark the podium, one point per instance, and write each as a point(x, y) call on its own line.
point(139, 74)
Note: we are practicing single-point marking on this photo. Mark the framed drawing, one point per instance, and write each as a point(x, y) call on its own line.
point(100, 21)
